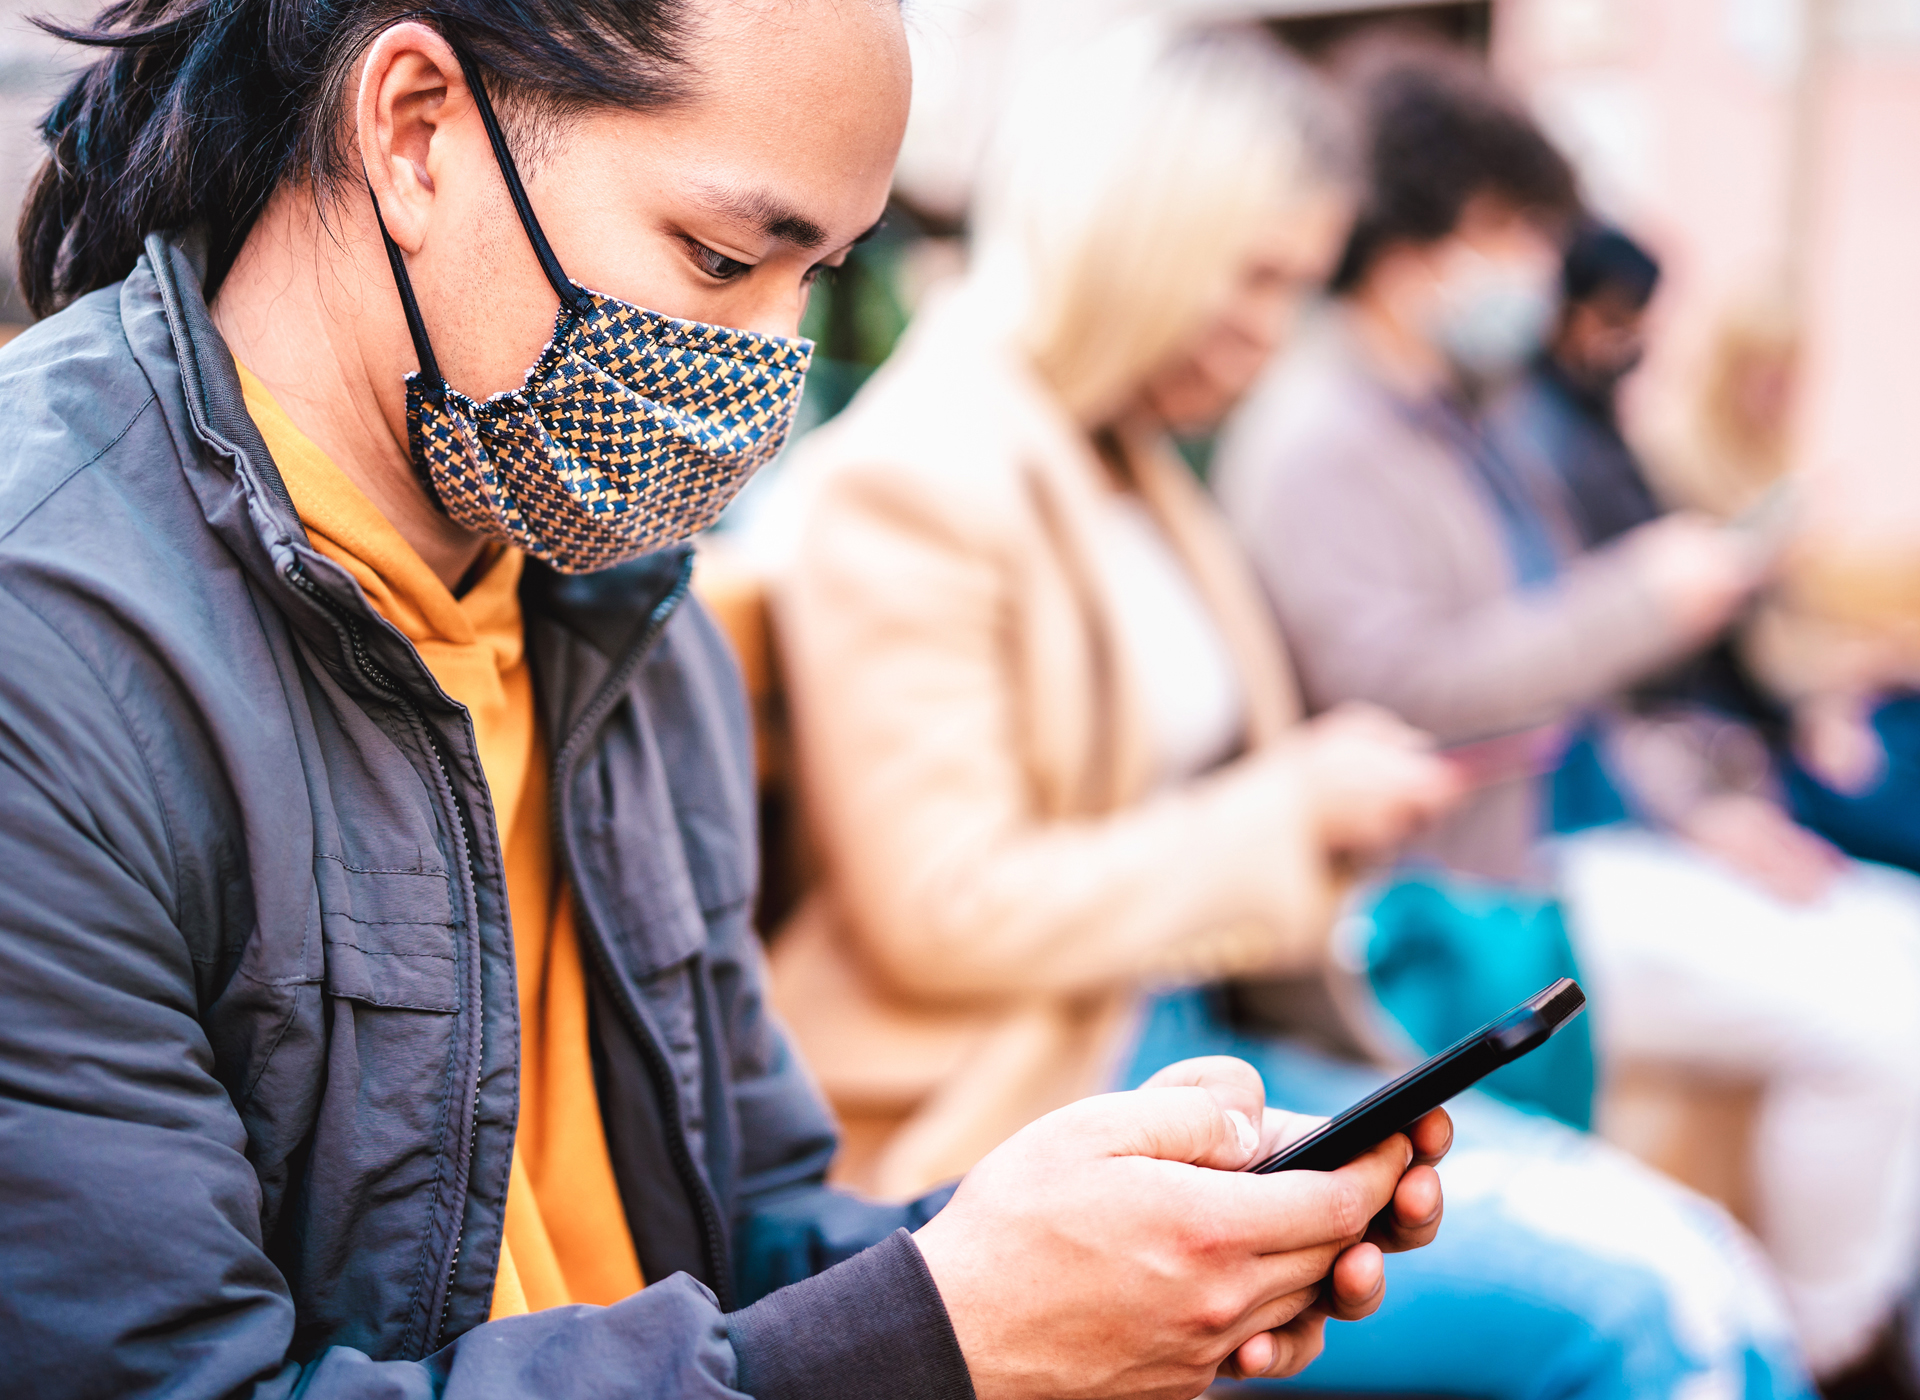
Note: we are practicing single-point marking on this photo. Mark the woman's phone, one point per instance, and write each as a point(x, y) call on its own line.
point(1507, 757)
point(1419, 1091)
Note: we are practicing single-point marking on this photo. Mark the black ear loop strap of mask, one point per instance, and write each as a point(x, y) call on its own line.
point(571, 297)
point(430, 377)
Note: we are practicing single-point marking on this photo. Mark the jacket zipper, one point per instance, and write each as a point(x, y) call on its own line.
point(269, 474)
point(658, 1066)
point(383, 681)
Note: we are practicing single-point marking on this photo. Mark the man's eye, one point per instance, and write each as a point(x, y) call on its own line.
point(718, 266)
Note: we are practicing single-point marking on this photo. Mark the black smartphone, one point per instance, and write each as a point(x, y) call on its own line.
point(1414, 1094)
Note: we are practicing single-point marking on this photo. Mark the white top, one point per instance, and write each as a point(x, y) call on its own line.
point(1195, 709)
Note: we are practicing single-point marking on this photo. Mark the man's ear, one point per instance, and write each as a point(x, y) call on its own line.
point(410, 88)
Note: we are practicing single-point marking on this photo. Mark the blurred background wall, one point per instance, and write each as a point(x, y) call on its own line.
point(31, 67)
point(1765, 148)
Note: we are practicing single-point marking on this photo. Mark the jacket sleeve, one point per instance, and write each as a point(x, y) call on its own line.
point(132, 1258)
point(901, 630)
point(1359, 575)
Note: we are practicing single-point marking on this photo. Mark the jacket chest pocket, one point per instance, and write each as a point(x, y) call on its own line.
point(390, 936)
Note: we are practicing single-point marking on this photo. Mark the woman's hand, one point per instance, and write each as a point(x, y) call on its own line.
point(1374, 781)
point(1834, 739)
point(1757, 838)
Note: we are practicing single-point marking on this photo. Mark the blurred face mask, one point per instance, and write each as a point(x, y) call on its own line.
point(1490, 318)
point(631, 433)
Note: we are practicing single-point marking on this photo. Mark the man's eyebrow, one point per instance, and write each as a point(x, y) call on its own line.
point(765, 213)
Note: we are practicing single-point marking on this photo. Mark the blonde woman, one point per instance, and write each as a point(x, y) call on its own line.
point(1054, 759)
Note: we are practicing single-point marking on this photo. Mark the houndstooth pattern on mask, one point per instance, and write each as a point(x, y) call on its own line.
point(632, 432)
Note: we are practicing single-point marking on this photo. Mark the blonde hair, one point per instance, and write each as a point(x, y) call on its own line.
point(1126, 185)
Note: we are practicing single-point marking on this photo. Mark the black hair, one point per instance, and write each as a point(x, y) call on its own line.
point(1602, 258)
point(1437, 131)
point(198, 110)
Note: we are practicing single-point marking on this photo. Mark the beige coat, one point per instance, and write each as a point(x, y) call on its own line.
point(998, 884)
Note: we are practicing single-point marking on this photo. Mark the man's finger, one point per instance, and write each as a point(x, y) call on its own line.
point(1236, 1086)
point(1279, 1128)
point(1257, 1350)
point(1283, 1351)
point(1413, 1219)
point(1278, 1312)
point(1301, 1209)
point(1252, 1357)
point(1274, 1276)
point(1175, 1124)
point(1356, 1284)
point(1432, 1137)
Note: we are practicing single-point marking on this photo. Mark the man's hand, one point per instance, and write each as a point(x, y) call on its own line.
point(1700, 571)
point(1114, 1248)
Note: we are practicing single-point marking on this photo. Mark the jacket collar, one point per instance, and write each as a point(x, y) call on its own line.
point(246, 502)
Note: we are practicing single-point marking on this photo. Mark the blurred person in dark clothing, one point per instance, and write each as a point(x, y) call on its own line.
point(1564, 415)
point(1567, 400)
point(1419, 559)
point(1847, 744)
point(1843, 755)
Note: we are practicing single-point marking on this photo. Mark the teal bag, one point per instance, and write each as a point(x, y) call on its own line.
point(1446, 956)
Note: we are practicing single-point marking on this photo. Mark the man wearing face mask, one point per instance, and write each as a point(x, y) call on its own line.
point(381, 1011)
point(1421, 559)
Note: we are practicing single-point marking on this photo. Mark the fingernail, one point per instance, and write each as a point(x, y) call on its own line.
point(1242, 1125)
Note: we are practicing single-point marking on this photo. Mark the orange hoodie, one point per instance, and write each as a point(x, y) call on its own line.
point(566, 1239)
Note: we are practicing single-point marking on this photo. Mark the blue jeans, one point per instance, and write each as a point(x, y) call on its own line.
point(1564, 1267)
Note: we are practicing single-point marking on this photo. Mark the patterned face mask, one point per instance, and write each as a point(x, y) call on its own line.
point(631, 433)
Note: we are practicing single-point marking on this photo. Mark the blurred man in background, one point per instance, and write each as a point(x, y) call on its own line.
point(1840, 712)
point(1418, 559)
point(1566, 405)
point(1562, 420)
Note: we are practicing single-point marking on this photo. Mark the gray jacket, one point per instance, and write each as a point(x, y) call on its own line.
point(1387, 568)
point(258, 1041)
